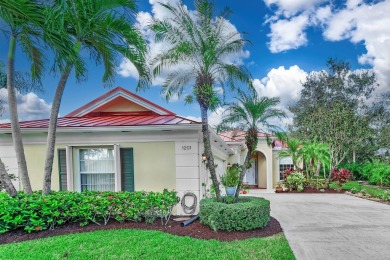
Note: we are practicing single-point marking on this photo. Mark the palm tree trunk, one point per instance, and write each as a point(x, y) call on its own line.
point(6, 180)
point(52, 131)
point(13, 111)
point(242, 174)
point(207, 151)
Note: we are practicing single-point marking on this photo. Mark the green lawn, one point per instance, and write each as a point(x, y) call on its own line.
point(143, 244)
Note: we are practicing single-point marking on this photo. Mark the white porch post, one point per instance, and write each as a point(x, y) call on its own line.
point(118, 173)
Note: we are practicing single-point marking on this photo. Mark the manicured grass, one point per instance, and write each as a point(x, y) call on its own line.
point(143, 244)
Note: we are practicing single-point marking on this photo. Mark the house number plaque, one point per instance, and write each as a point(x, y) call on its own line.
point(186, 147)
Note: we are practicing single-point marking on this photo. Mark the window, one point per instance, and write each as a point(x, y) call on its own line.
point(97, 169)
point(282, 168)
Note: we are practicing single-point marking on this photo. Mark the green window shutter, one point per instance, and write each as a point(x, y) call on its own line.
point(127, 169)
point(62, 169)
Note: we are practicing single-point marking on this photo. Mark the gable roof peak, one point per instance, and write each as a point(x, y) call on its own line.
point(114, 100)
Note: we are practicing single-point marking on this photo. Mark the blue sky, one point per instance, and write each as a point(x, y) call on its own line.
point(289, 40)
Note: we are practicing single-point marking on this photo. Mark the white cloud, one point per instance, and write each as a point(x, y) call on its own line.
point(356, 21)
point(289, 8)
point(214, 117)
point(288, 34)
point(360, 22)
point(283, 83)
point(126, 69)
point(30, 106)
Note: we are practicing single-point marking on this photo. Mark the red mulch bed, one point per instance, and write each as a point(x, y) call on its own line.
point(313, 190)
point(195, 230)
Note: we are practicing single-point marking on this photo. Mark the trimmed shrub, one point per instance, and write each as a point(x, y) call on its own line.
point(246, 214)
point(36, 212)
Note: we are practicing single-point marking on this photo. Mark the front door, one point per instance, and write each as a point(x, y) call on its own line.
point(251, 173)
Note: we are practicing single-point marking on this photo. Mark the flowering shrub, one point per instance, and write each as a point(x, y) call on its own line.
point(36, 212)
point(295, 181)
point(340, 177)
point(287, 172)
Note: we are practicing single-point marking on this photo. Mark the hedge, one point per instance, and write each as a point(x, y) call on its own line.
point(246, 214)
point(37, 212)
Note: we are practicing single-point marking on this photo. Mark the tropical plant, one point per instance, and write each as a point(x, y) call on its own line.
point(103, 28)
point(314, 156)
point(295, 181)
point(293, 150)
point(340, 177)
point(253, 115)
point(200, 43)
point(231, 178)
point(24, 23)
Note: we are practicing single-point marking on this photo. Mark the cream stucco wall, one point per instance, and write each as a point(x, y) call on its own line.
point(154, 165)
point(35, 157)
point(275, 163)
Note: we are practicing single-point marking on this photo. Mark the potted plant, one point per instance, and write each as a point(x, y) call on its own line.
point(279, 187)
point(231, 179)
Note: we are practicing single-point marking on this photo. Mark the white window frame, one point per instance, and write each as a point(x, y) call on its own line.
point(71, 165)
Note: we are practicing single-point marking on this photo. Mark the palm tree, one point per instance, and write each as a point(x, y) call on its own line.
point(314, 155)
point(294, 149)
point(103, 29)
point(200, 44)
point(252, 114)
point(24, 24)
point(22, 83)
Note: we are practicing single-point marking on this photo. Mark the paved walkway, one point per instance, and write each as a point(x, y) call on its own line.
point(333, 226)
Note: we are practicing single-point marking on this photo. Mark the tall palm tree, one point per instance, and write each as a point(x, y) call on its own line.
point(22, 83)
point(199, 43)
point(253, 115)
point(102, 28)
point(23, 23)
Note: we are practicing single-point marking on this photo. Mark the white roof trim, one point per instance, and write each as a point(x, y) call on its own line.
point(117, 94)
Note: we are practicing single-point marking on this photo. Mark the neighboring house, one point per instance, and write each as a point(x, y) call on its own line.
point(121, 141)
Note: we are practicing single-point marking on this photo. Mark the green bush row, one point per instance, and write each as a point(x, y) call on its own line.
point(36, 212)
point(246, 214)
point(376, 173)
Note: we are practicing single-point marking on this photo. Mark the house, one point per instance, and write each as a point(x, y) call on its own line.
point(121, 141)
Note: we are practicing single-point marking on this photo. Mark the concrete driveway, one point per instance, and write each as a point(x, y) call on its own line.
point(333, 226)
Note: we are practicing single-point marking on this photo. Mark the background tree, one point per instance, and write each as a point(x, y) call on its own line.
point(201, 44)
point(331, 109)
point(251, 114)
point(102, 28)
point(380, 114)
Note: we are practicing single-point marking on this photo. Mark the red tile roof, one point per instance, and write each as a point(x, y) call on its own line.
point(239, 135)
point(105, 121)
